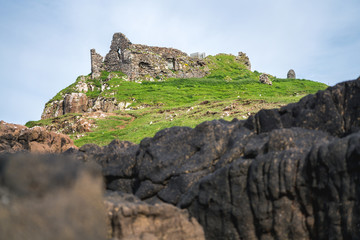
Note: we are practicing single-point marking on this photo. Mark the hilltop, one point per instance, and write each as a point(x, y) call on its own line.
point(137, 90)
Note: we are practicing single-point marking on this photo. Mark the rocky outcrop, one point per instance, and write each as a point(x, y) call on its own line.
point(146, 62)
point(291, 74)
point(288, 173)
point(80, 103)
point(49, 197)
point(264, 78)
point(130, 218)
point(14, 138)
point(75, 103)
point(53, 109)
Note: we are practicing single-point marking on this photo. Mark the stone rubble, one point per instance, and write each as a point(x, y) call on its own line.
point(264, 78)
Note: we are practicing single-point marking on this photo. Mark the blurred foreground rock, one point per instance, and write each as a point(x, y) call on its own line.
point(48, 197)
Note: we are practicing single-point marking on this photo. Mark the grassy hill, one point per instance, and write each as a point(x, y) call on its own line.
point(228, 91)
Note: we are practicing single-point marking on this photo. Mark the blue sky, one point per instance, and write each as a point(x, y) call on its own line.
point(45, 44)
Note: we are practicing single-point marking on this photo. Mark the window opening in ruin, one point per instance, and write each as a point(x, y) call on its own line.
point(119, 55)
point(171, 63)
point(144, 65)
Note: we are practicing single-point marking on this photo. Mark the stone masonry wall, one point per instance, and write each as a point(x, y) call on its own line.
point(146, 62)
point(97, 64)
point(244, 59)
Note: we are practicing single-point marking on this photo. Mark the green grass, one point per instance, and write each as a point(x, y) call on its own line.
point(162, 104)
point(177, 96)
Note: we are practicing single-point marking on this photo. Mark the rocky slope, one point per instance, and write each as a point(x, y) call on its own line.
point(76, 101)
point(288, 173)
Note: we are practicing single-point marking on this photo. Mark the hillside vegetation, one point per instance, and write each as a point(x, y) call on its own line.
point(229, 91)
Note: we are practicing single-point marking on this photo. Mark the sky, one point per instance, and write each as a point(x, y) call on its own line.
point(45, 45)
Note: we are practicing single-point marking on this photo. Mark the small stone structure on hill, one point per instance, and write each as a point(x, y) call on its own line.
point(291, 74)
point(146, 62)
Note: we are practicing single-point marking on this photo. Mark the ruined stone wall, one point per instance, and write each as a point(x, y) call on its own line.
point(97, 64)
point(146, 62)
point(244, 59)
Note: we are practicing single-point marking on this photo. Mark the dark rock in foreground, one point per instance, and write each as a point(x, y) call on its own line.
point(286, 193)
point(289, 173)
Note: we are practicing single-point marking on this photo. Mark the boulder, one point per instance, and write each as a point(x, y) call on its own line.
point(264, 78)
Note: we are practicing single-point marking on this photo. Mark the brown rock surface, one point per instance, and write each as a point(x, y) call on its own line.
point(75, 103)
point(15, 138)
point(47, 197)
point(131, 219)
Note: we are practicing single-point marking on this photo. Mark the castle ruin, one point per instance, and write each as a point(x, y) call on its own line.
point(146, 62)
